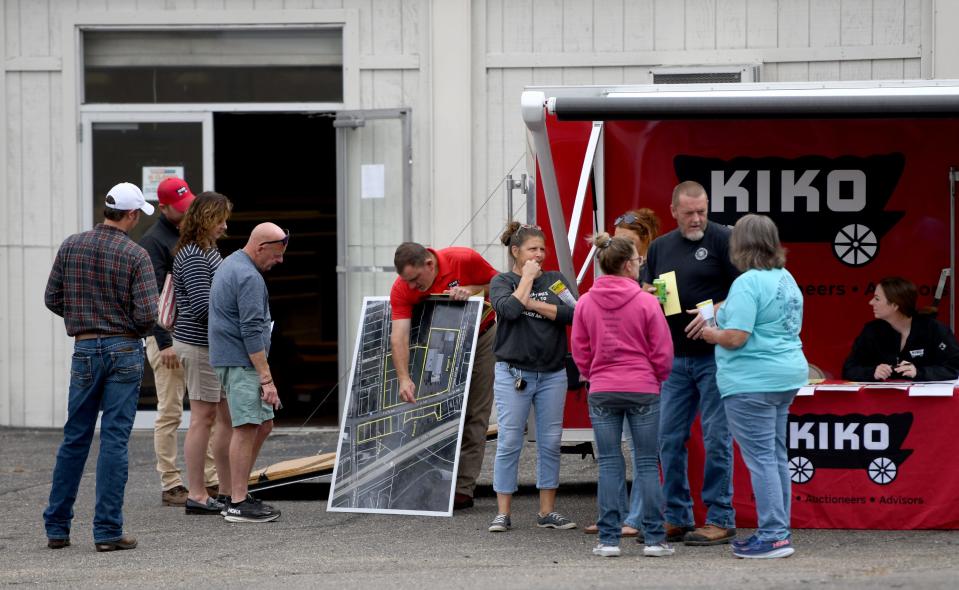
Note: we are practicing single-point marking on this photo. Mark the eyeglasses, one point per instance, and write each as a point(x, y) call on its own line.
point(284, 240)
point(528, 226)
point(626, 218)
point(639, 259)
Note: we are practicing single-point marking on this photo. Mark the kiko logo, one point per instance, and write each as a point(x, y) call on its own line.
point(838, 201)
point(852, 441)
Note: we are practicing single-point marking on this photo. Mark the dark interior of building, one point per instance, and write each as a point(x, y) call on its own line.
point(282, 168)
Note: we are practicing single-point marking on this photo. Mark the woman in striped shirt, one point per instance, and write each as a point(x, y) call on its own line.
point(195, 260)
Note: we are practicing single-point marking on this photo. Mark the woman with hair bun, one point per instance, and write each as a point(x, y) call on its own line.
point(533, 308)
point(641, 226)
point(622, 347)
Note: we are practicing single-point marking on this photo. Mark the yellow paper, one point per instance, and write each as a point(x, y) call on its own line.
point(672, 306)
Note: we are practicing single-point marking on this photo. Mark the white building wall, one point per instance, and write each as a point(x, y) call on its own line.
point(40, 200)
point(512, 44)
point(946, 44)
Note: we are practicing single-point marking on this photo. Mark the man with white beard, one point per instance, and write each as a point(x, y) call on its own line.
point(698, 252)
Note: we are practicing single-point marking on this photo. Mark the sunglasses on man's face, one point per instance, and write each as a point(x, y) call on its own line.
point(627, 218)
point(284, 240)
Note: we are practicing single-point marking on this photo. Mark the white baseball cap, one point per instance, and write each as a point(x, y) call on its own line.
point(127, 197)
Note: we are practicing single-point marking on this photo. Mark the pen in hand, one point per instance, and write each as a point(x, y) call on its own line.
point(906, 369)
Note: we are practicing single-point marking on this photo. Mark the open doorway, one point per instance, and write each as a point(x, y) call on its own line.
point(281, 167)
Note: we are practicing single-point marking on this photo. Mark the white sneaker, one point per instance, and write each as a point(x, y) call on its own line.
point(606, 550)
point(658, 550)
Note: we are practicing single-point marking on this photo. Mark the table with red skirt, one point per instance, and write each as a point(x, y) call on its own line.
point(876, 456)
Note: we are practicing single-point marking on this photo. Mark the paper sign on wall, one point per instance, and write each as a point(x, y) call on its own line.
point(154, 175)
point(373, 181)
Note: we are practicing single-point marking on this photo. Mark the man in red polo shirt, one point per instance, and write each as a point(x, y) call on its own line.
point(459, 273)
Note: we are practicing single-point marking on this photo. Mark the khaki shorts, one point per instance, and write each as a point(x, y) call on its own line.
point(242, 385)
point(201, 381)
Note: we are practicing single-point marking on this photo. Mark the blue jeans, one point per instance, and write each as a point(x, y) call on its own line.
point(758, 422)
point(631, 503)
point(643, 424)
point(546, 393)
point(105, 375)
point(691, 388)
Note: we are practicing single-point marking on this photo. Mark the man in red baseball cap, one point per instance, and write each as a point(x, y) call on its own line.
point(174, 192)
point(159, 241)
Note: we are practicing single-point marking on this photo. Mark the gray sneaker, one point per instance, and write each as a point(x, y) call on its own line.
point(500, 524)
point(554, 520)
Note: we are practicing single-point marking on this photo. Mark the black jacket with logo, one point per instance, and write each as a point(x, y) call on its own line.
point(931, 347)
point(159, 242)
point(703, 271)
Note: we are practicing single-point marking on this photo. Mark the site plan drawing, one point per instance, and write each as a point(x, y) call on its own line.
point(395, 457)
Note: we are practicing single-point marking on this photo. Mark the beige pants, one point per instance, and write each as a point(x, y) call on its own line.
point(478, 408)
point(170, 386)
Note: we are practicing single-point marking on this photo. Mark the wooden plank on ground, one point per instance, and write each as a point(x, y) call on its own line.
point(321, 464)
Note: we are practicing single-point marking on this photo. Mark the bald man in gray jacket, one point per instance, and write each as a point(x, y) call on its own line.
point(239, 335)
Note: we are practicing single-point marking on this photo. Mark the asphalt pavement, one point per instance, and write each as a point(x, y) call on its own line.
point(311, 548)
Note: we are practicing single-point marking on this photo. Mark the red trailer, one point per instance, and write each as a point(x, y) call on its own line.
point(861, 181)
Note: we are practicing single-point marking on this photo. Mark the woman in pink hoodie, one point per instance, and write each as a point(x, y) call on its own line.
point(622, 346)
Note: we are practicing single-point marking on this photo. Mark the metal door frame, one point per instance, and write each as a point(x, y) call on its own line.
point(345, 122)
point(88, 119)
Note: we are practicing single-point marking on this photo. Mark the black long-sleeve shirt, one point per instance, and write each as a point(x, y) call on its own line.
point(159, 242)
point(931, 347)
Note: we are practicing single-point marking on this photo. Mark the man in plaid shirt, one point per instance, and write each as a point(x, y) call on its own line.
point(103, 285)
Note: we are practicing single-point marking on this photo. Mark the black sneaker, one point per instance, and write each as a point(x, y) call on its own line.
point(259, 502)
point(227, 500)
point(210, 507)
point(248, 511)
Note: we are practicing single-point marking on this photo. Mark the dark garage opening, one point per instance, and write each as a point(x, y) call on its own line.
point(281, 167)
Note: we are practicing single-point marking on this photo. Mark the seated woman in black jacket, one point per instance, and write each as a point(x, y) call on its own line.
point(900, 343)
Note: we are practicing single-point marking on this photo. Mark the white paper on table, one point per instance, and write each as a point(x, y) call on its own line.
point(943, 389)
point(900, 385)
point(373, 181)
point(838, 387)
point(807, 390)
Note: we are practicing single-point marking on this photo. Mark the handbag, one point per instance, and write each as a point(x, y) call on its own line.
point(166, 308)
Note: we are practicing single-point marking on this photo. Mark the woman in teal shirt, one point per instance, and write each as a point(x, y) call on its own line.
point(759, 368)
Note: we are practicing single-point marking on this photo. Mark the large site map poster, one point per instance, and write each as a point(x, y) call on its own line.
point(395, 457)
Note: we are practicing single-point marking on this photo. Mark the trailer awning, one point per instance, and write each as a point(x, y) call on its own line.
point(774, 103)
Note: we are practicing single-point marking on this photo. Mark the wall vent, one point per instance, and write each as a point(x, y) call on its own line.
point(706, 74)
